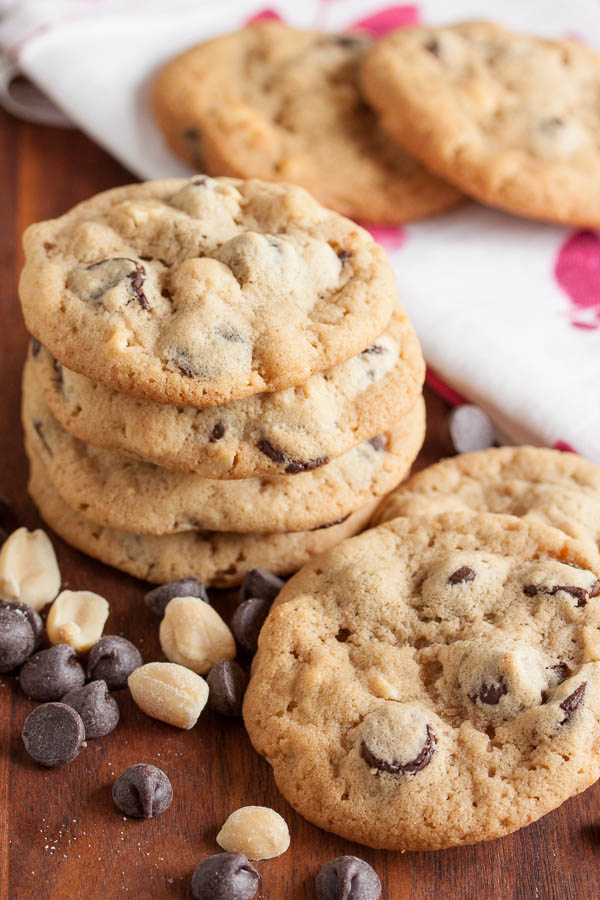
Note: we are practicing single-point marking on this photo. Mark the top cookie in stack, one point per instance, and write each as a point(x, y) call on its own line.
point(235, 334)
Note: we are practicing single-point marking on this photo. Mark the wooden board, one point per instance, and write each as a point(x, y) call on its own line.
point(60, 836)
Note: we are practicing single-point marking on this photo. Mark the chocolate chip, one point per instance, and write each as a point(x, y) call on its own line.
point(217, 433)
point(114, 270)
point(562, 672)
point(433, 47)
point(229, 333)
point(137, 279)
point(199, 180)
point(394, 767)
point(32, 616)
point(343, 255)
point(260, 583)
point(375, 349)
point(35, 346)
point(347, 878)
point(551, 124)
point(227, 683)
point(225, 876)
point(58, 372)
point(582, 595)
point(17, 640)
point(156, 600)
point(490, 694)
point(142, 791)
point(379, 442)
point(348, 40)
point(53, 734)
point(462, 575)
point(182, 359)
point(570, 703)
point(48, 247)
point(191, 134)
point(49, 674)
point(98, 710)
point(331, 524)
point(112, 660)
point(42, 437)
point(247, 621)
point(301, 465)
point(272, 452)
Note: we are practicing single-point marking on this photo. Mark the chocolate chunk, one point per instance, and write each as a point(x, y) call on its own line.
point(183, 360)
point(137, 279)
point(260, 583)
point(35, 346)
point(156, 600)
point(374, 349)
point(379, 442)
point(272, 452)
point(347, 878)
point(32, 616)
point(433, 47)
point(17, 639)
point(490, 694)
point(58, 372)
point(48, 247)
point(582, 595)
point(570, 703)
point(394, 767)
point(53, 734)
point(191, 134)
point(50, 674)
point(562, 672)
point(98, 710)
point(301, 465)
point(227, 683)
point(247, 621)
point(142, 791)
point(199, 180)
point(112, 660)
point(225, 876)
point(217, 433)
point(42, 437)
point(343, 255)
point(462, 575)
point(115, 270)
point(229, 333)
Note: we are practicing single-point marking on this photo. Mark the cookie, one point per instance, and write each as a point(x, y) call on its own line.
point(510, 119)
point(112, 490)
point(264, 434)
point(559, 489)
point(200, 291)
point(219, 559)
point(433, 682)
point(276, 103)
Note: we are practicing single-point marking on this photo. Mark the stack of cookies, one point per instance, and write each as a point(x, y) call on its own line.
point(221, 377)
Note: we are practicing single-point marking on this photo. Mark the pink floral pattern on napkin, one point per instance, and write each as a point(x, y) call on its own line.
point(577, 271)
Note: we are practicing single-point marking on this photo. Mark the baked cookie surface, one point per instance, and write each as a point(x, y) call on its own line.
point(265, 434)
point(281, 104)
point(512, 120)
point(219, 559)
point(204, 290)
point(137, 497)
point(433, 682)
point(549, 486)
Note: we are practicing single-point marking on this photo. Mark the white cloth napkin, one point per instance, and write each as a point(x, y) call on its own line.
point(507, 310)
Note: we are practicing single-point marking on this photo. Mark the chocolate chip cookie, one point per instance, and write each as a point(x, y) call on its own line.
point(433, 682)
point(264, 434)
point(220, 559)
point(138, 497)
point(510, 119)
point(201, 291)
point(559, 489)
point(281, 104)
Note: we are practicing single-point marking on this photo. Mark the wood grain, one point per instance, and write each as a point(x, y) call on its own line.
point(60, 836)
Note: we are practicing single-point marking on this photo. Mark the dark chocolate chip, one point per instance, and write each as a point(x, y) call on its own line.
point(142, 791)
point(462, 575)
point(58, 373)
point(551, 124)
point(343, 255)
point(260, 583)
point(272, 452)
point(115, 273)
point(199, 180)
point(17, 639)
point(433, 47)
point(183, 360)
point(50, 674)
point(490, 694)
point(343, 635)
point(32, 616)
point(136, 279)
point(53, 734)
point(42, 437)
point(191, 134)
point(379, 442)
point(394, 767)
point(331, 524)
point(217, 433)
point(247, 621)
point(98, 710)
point(48, 247)
point(562, 671)
point(347, 878)
point(348, 40)
point(112, 660)
point(156, 600)
point(582, 595)
point(570, 703)
point(374, 349)
point(306, 465)
point(227, 683)
point(35, 346)
point(229, 333)
point(225, 876)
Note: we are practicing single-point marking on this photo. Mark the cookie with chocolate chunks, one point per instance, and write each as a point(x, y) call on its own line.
point(409, 678)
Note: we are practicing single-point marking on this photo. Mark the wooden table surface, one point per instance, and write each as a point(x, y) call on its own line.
point(60, 835)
